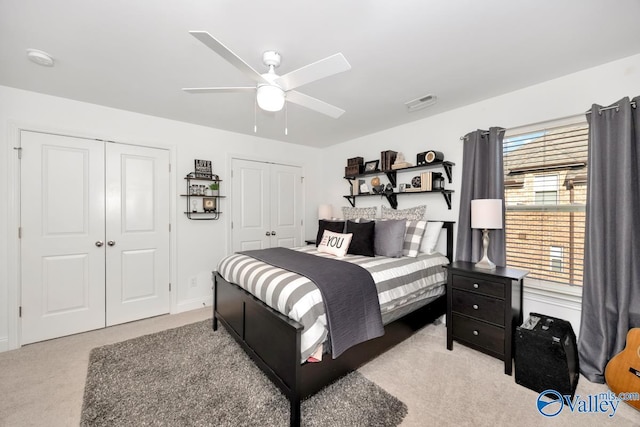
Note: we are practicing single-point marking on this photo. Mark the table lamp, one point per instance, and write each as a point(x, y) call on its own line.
point(325, 212)
point(486, 214)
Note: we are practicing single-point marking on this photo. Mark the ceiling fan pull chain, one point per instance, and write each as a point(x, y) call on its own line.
point(286, 119)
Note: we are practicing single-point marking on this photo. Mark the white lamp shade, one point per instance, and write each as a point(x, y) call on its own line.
point(325, 212)
point(486, 213)
point(270, 97)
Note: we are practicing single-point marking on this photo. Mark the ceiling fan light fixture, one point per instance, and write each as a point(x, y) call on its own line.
point(270, 97)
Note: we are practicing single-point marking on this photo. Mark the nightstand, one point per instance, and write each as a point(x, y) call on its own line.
point(483, 309)
point(310, 242)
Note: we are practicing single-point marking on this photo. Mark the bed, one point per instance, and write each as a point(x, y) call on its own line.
point(280, 346)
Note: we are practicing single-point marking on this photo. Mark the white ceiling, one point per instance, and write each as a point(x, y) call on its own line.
point(137, 55)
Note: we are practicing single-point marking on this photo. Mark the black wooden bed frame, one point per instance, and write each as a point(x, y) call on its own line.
point(272, 340)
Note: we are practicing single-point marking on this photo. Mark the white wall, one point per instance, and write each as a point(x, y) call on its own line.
point(199, 245)
point(562, 97)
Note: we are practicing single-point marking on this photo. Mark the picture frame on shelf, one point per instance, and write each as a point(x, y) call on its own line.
point(202, 169)
point(371, 166)
point(209, 204)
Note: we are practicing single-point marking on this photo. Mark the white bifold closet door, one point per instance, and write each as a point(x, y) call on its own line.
point(267, 205)
point(94, 234)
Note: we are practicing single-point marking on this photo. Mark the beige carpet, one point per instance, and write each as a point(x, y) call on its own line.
point(463, 387)
point(42, 384)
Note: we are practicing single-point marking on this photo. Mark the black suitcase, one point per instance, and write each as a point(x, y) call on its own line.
point(547, 355)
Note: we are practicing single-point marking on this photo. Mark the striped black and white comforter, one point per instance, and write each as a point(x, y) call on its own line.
point(399, 281)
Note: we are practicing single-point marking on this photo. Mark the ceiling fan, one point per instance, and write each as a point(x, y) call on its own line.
point(271, 89)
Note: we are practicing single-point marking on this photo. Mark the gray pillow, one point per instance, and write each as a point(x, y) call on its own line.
point(389, 237)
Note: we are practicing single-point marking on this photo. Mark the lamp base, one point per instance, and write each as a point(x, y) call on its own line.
point(485, 264)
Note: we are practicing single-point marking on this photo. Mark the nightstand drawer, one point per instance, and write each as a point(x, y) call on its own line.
point(478, 333)
point(478, 306)
point(485, 287)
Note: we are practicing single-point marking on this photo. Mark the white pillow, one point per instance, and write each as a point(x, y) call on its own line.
point(335, 243)
point(431, 237)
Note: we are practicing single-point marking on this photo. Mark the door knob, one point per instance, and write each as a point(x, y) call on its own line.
point(268, 234)
point(273, 233)
point(111, 243)
point(99, 243)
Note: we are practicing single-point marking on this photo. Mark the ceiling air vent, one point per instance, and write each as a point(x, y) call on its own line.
point(420, 103)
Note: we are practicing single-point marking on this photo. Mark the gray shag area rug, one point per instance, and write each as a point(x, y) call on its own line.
point(193, 376)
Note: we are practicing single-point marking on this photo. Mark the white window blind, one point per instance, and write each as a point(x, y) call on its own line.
point(545, 174)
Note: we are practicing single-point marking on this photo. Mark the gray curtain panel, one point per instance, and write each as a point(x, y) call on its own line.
point(482, 178)
point(611, 288)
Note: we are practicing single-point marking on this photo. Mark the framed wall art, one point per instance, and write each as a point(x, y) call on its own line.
point(371, 166)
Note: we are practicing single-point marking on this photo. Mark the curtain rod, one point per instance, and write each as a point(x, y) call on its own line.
point(484, 133)
point(632, 103)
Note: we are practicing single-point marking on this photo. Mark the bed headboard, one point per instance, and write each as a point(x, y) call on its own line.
point(445, 241)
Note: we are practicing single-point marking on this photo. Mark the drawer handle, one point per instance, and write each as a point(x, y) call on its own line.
point(475, 306)
point(475, 333)
point(476, 286)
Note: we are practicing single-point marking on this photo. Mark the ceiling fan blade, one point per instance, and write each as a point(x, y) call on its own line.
point(227, 54)
point(218, 89)
point(314, 104)
point(326, 67)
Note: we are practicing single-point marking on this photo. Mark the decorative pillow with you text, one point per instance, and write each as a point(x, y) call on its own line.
point(335, 243)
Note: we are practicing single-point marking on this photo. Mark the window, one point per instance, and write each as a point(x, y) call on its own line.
point(545, 176)
point(555, 257)
point(545, 189)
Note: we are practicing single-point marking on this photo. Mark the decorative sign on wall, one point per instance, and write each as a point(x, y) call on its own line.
point(203, 169)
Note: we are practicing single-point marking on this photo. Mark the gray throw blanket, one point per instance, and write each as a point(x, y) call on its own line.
point(348, 291)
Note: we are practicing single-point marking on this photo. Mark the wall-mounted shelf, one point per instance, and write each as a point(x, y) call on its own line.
point(392, 197)
point(208, 202)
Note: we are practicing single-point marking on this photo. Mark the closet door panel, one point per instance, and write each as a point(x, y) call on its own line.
point(267, 205)
point(137, 233)
point(250, 190)
point(286, 205)
point(62, 245)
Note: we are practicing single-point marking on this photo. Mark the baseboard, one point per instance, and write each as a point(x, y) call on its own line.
point(194, 303)
point(4, 344)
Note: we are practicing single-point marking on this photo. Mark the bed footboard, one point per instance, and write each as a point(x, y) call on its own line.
point(272, 340)
point(269, 338)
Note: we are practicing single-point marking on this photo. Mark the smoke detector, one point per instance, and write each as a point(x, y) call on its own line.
point(40, 57)
point(420, 103)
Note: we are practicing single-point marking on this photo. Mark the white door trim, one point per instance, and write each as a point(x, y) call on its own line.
point(13, 218)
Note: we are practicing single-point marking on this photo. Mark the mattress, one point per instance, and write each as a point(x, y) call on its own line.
point(400, 283)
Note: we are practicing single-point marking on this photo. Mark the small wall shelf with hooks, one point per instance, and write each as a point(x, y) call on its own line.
point(203, 202)
point(392, 196)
